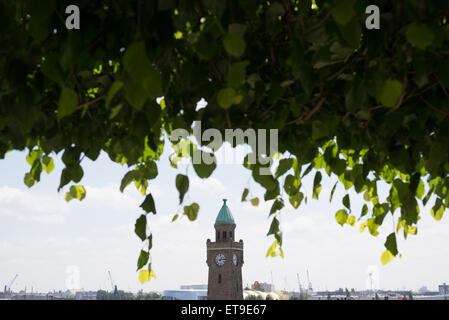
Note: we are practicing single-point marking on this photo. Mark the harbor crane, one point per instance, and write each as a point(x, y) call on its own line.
point(309, 284)
point(301, 290)
point(8, 288)
point(114, 287)
point(110, 279)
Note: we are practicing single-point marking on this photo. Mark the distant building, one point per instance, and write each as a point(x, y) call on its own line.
point(423, 290)
point(262, 286)
point(194, 287)
point(86, 295)
point(443, 289)
point(181, 294)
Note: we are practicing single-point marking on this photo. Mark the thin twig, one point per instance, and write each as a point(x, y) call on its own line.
point(91, 101)
point(369, 109)
point(228, 119)
point(434, 108)
point(314, 110)
point(441, 84)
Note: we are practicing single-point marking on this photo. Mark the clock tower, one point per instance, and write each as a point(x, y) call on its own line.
point(225, 260)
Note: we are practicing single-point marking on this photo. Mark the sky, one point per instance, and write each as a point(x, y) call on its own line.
point(43, 238)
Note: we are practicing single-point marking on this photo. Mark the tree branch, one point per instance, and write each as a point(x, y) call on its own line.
point(315, 110)
point(434, 108)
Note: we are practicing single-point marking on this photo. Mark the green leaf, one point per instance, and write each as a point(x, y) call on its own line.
point(138, 66)
point(140, 227)
point(36, 170)
point(332, 192)
point(420, 190)
point(437, 210)
point(386, 257)
point(76, 192)
point(391, 244)
point(346, 202)
point(68, 101)
point(420, 35)
point(341, 216)
point(70, 173)
point(192, 211)
point(391, 93)
point(296, 199)
point(182, 184)
point(372, 227)
point(284, 166)
point(146, 275)
point(135, 94)
point(149, 171)
point(255, 201)
point(225, 97)
point(317, 185)
point(364, 210)
point(126, 180)
point(271, 252)
point(202, 169)
point(428, 195)
point(291, 185)
point(237, 74)
point(234, 44)
point(351, 221)
point(278, 204)
point(272, 194)
point(245, 194)
point(352, 33)
point(343, 11)
point(115, 87)
point(28, 180)
point(265, 180)
point(48, 164)
point(33, 156)
point(115, 111)
point(148, 204)
point(274, 227)
point(307, 171)
point(143, 259)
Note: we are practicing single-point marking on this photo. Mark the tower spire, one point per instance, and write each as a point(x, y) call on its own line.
point(224, 216)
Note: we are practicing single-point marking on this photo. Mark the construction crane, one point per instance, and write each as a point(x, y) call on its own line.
point(110, 279)
point(309, 284)
point(114, 287)
point(371, 280)
point(299, 284)
point(8, 288)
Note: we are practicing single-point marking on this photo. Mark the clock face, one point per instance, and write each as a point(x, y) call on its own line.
point(220, 259)
point(234, 259)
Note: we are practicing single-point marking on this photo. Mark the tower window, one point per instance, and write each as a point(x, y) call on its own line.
point(218, 235)
point(224, 235)
point(230, 234)
point(219, 278)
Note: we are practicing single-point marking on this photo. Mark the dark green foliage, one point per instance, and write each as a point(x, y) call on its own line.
point(362, 105)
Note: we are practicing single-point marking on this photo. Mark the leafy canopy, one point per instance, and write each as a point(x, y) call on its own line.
point(362, 105)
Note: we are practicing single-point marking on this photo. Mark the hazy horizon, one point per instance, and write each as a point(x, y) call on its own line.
point(41, 234)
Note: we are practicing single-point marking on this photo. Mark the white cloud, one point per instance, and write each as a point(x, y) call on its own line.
point(29, 206)
point(47, 218)
point(109, 197)
point(211, 185)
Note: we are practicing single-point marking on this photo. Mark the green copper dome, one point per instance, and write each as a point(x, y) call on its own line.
point(224, 216)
